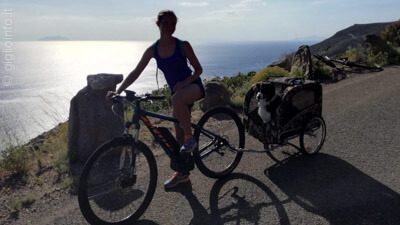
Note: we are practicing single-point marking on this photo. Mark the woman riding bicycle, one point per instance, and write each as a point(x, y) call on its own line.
point(185, 84)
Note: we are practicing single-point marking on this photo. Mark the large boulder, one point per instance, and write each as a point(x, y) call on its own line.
point(91, 121)
point(375, 43)
point(301, 59)
point(216, 95)
point(372, 43)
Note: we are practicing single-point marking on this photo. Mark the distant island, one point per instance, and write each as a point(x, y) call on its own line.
point(54, 38)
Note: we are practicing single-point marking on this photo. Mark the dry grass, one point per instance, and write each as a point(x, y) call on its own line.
point(45, 170)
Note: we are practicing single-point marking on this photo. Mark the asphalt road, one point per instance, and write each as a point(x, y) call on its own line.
point(355, 179)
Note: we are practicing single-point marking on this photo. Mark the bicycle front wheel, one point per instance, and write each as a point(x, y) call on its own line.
point(218, 131)
point(365, 66)
point(117, 182)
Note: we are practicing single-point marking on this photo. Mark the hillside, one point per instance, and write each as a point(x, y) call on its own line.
point(352, 36)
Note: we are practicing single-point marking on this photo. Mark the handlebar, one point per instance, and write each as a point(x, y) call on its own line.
point(324, 58)
point(132, 97)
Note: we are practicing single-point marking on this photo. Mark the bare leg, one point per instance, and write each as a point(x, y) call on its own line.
point(179, 134)
point(180, 101)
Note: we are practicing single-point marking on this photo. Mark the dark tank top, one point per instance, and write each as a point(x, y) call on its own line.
point(175, 67)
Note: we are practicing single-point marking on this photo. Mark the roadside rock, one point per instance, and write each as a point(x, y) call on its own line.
point(104, 81)
point(300, 59)
point(375, 43)
point(91, 121)
point(216, 95)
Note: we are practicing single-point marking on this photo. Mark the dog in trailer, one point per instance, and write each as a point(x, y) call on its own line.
point(268, 101)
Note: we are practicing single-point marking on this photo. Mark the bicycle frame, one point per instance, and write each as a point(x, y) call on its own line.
point(142, 115)
point(343, 61)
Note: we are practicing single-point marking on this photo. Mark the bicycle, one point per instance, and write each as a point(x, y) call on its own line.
point(119, 179)
point(345, 62)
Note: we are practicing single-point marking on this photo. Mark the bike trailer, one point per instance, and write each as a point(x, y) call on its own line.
point(299, 102)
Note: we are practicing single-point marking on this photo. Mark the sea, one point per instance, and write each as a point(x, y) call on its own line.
point(39, 78)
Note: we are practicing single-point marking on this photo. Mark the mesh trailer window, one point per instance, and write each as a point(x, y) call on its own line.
point(303, 99)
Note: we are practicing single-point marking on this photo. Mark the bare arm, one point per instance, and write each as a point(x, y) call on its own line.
point(194, 62)
point(147, 55)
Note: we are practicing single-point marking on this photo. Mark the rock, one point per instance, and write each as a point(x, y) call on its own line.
point(285, 63)
point(375, 43)
point(216, 95)
point(91, 121)
point(302, 60)
point(104, 81)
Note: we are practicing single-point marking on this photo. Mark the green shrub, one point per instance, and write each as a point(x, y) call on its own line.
point(268, 72)
point(242, 91)
point(39, 163)
point(62, 164)
point(56, 142)
point(297, 72)
point(391, 33)
point(350, 54)
point(28, 199)
point(15, 204)
point(236, 82)
point(61, 167)
point(158, 105)
point(69, 183)
point(320, 71)
point(381, 58)
point(15, 159)
point(237, 102)
point(394, 56)
point(388, 57)
point(25, 201)
point(238, 85)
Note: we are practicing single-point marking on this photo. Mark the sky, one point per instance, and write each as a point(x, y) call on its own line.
point(203, 20)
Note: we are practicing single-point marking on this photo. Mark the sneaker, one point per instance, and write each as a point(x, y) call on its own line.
point(189, 145)
point(176, 179)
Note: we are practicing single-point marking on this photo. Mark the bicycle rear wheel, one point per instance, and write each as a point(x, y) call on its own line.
point(312, 136)
point(117, 182)
point(217, 129)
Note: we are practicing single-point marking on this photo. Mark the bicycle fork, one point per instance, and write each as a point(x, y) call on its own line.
point(131, 155)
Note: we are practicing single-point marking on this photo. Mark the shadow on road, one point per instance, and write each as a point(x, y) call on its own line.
point(334, 189)
point(323, 185)
point(200, 214)
point(230, 202)
point(240, 198)
point(145, 222)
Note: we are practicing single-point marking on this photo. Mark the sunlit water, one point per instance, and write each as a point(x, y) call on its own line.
point(48, 74)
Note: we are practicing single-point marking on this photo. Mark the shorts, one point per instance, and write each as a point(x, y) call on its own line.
point(200, 84)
